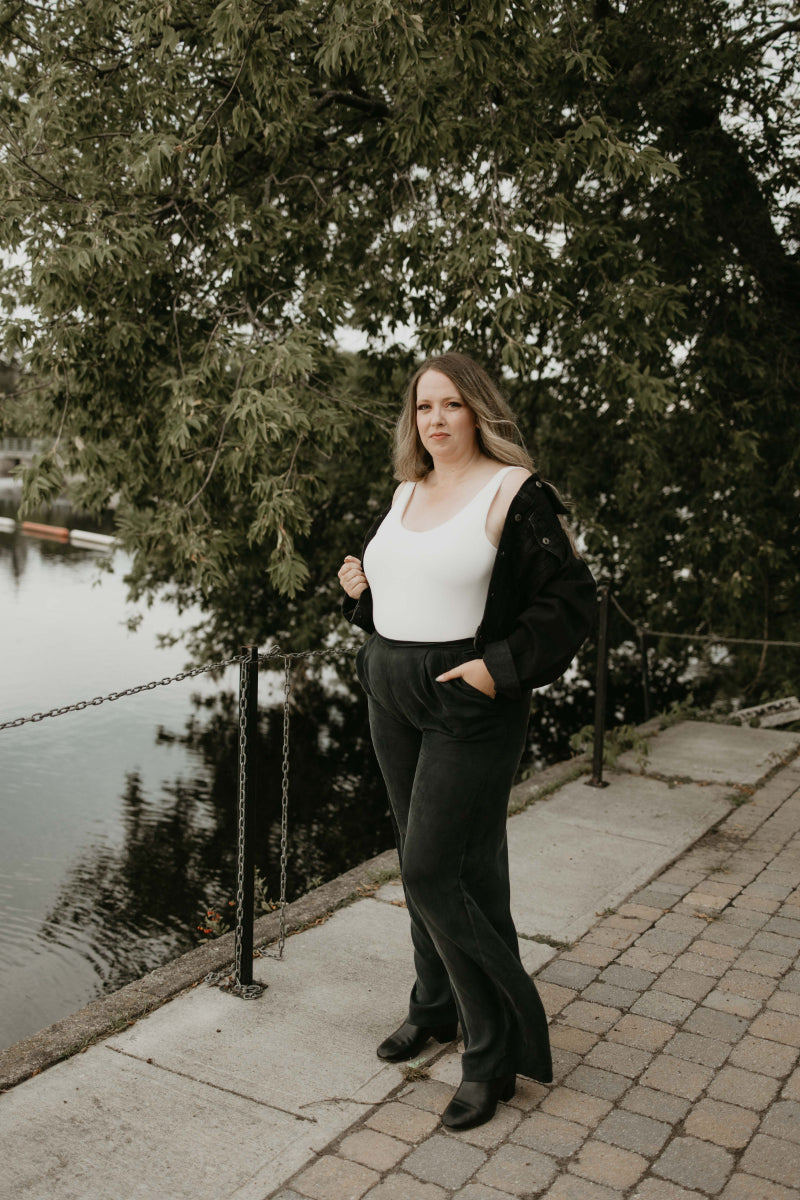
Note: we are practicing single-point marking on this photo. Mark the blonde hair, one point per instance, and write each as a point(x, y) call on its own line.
point(498, 435)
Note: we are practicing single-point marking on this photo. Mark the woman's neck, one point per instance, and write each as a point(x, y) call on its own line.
point(450, 476)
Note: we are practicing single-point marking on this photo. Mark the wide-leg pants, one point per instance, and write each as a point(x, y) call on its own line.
point(448, 755)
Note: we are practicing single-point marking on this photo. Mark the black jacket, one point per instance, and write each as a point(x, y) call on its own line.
point(541, 602)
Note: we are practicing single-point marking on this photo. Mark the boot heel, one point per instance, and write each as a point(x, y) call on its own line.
point(445, 1033)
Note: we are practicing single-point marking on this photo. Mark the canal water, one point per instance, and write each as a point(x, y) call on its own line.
point(118, 822)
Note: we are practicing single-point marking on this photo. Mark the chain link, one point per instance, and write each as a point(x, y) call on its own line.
point(131, 691)
point(287, 687)
point(240, 809)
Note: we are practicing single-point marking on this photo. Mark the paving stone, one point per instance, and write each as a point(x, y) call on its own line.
point(747, 1187)
point(576, 1106)
point(653, 897)
point(775, 943)
point(791, 1089)
point(645, 912)
point(595, 1082)
point(529, 1094)
point(729, 1002)
point(783, 1121)
point(724, 1124)
point(287, 1194)
point(750, 918)
point(627, 977)
point(568, 974)
point(403, 1121)
point(433, 1095)
point(783, 925)
point(565, 1037)
point(644, 959)
point(755, 904)
point(760, 963)
point(661, 1106)
point(642, 1032)
point(404, 1187)
point(778, 1027)
point(701, 964)
point(698, 1049)
point(607, 994)
point(564, 1061)
point(606, 935)
point(726, 1027)
point(688, 984)
point(695, 1164)
point(766, 1057)
point(610, 1165)
point(614, 1056)
point(681, 923)
point(332, 1178)
point(747, 1088)
point(373, 1149)
point(728, 933)
point(790, 982)
point(487, 1136)
point(518, 1170)
point(591, 954)
point(632, 1131)
point(597, 1018)
point(716, 950)
point(666, 941)
point(772, 1158)
point(787, 1002)
point(744, 983)
point(660, 1189)
point(572, 1187)
point(444, 1160)
point(628, 924)
point(663, 1007)
point(677, 1076)
point(553, 996)
point(479, 1191)
point(550, 1135)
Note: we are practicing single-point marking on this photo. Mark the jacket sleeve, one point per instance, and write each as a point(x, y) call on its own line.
point(557, 608)
point(359, 612)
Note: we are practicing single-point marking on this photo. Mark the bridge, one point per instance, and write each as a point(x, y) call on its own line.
point(19, 451)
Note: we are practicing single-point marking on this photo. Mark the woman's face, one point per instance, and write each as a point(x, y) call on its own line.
point(446, 426)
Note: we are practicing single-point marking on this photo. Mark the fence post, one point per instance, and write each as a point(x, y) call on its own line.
point(245, 858)
point(600, 691)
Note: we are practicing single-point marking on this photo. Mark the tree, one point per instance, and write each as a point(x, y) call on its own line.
point(597, 200)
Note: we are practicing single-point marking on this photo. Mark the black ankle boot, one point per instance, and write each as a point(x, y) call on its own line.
point(408, 1040)
point(476, 1101)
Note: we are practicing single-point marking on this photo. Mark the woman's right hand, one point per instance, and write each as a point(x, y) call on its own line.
point(352, 577)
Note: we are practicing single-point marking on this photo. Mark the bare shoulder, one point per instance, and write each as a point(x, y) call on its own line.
point(510, 485)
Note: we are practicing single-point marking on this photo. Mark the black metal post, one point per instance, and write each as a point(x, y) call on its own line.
point(645, 673)
point(245, 859)
point(600, 691)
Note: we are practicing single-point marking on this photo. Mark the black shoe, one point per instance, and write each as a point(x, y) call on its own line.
point(476, 1101)
point(408, 1040)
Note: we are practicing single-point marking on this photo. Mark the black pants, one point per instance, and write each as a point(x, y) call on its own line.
point(448, 755)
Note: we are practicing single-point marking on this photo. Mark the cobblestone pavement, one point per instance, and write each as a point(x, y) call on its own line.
point(675, 1024)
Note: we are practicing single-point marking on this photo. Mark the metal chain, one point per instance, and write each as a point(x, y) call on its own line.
point(695, 637)
point(221, 979)
point(131, 691)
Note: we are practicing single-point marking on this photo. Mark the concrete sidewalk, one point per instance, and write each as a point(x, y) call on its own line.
point(674, 1010)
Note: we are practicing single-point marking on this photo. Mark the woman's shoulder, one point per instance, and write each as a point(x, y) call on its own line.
point(402, 486)
point(510, 484)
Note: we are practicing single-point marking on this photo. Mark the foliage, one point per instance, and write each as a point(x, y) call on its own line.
point(599, 200)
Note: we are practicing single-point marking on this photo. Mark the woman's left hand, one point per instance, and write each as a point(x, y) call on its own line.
point(476, 673)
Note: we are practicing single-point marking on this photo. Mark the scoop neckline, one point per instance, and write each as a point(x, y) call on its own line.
point(463, 508)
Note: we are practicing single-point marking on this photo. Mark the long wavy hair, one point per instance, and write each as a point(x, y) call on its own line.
point(498, 435)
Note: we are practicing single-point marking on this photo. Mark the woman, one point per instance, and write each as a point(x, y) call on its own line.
point(473, 594)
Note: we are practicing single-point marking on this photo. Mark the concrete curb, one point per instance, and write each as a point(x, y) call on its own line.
point(110, 1014)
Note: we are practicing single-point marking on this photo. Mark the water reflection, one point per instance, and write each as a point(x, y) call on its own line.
point(139, 905)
